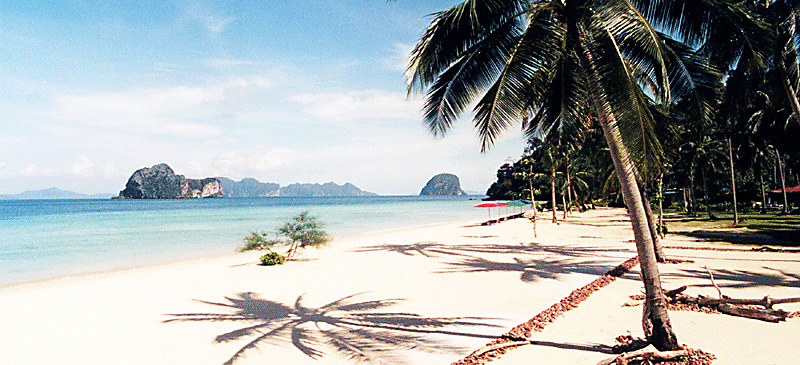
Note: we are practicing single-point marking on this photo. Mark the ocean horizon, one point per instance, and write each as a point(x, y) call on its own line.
point(51, 238)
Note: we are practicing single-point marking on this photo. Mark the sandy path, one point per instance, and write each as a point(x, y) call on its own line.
point(429, 295)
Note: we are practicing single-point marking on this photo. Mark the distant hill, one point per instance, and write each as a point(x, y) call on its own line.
point(247, 187)
point(326, 189)
point(53, 193)
point(251, 188)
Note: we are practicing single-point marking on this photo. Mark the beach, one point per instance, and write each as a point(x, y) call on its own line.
point(421, 295)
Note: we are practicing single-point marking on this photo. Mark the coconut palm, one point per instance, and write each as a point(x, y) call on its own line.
point(563, 64)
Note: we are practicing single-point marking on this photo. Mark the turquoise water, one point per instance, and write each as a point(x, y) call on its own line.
point(41, 239)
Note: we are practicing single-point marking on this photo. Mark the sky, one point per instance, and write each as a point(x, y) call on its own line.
point(281, 91)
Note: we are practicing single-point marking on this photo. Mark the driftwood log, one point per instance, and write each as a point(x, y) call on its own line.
point(647, 353)
point(732, 306)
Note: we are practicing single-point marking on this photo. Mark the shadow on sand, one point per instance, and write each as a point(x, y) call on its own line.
point(530, 270)
point(533, 261)
point(351, 328)
point(727, 278)
point(739, 237)
point(433, 249)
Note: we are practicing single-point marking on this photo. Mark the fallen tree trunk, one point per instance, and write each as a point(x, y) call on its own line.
point(765, 302)
point(768, 315)
point(647, 353)
point(736, 307)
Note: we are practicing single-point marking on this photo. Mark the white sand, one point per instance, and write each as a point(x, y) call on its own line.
point(443, 274)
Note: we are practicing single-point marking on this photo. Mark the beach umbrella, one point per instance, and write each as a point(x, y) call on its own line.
point(516, 203)
point(490, 206)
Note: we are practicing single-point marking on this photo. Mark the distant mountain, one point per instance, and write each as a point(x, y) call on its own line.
point(251, 188)
point(53, 193)
point(326, 189)
point(247, 187)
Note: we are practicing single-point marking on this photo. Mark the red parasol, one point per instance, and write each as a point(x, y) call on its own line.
point(490, 206)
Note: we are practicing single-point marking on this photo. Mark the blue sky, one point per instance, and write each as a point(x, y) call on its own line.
point(282, 91)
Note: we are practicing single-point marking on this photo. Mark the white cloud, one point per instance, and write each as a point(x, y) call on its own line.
point(398, 57)
point(256, 161)
point(34, 170)
point(211, 18)
point(141, 105)
point(110, 170)
point(190, 130)
point(171, 111)
point(83, 167)
point(358, 105)
point(216, 25)
point(226, 62)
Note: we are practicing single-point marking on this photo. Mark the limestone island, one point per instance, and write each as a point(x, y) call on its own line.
point(443, 184)
point(161, 182)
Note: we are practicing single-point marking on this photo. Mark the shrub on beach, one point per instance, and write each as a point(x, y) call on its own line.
point(272, 258)
point(302, 230)
point(258, 241)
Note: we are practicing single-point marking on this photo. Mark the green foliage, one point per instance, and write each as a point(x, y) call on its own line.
point(272, 258)
point(302, 230)
point(662, 228)
point(258, 241)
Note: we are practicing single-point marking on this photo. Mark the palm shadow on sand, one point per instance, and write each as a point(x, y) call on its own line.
point(433, 249)
point(351, 328)
point(530, 270)
point(533, 261)
point(737, 278)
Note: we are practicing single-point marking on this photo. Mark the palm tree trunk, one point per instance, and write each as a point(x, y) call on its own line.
point(533, 198)
point(564, 203)
point(692, 190)
point(685, 200)
point(763, 194)
point(705, 193)
point(733, 184)
point(568, 207)
point(791, 95)
point(661, 230)
point(651, 223)
point(553, 191)
point(783, 182)
point(573, 197)
point(655, 318)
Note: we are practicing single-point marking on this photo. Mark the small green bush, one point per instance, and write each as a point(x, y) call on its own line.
point(258, 241)
point(272, 258)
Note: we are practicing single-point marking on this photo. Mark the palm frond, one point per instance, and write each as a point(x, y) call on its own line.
point(524, 79)
point(452, 32)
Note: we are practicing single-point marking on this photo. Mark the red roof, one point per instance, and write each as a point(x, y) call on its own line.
point(793, 189)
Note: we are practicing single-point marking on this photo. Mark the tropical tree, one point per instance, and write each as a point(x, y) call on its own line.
point(302, 230)
point(563, 64)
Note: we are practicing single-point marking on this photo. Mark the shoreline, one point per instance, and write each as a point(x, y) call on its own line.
point(222, 255)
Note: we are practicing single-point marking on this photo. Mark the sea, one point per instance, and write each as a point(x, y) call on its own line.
point(46, 239)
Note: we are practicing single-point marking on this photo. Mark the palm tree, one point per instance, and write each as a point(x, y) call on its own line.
point(564, 64)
